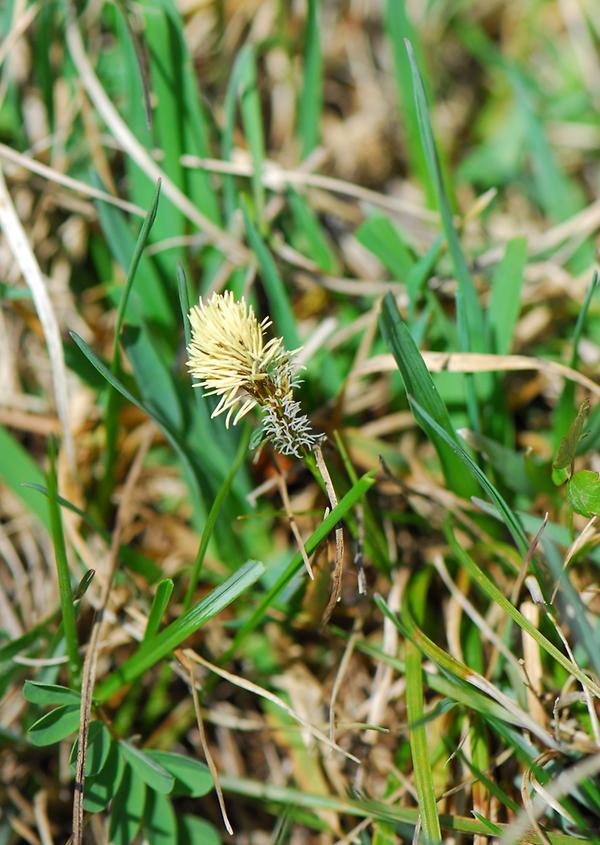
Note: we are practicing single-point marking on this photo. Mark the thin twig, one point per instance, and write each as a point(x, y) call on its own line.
point(20, 247)
point(183, 657)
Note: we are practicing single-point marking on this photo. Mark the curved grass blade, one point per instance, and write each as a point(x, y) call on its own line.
point(62, 571)
point(356, 492)
point(510, 519)
point(153, 650)
point(419, 384)
point(311, 93)
point(153, 413)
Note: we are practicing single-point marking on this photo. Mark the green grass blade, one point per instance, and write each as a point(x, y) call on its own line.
point(398, 27)
point(356, 492)
point(153, 413)
point(418, 744)
point(505, 302)
point(363, 808)
point(242, 87)
point(17, 468)
point(311, 92)
point(112, 397)
point(134, 560)
point(160, 602)
point(213, 515)
point(151, 651)
point(140, 245)
point(493, 593)
point(252, 121)
point(469, 311)
point(420, 386)
point(511, 520)
point(63, 572)
point(279, 303)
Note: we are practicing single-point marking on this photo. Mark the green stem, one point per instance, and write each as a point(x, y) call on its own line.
point(62, 570)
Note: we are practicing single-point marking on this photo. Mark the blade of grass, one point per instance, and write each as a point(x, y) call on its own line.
point(398, 27)
point(17, 468)
point(112, 396)
point(420, 385)
point(253, 123)
point(311, 90)
point(356, 492)
point(160, 603)
point(363, 808)
point(510, 519)
point(417, 719)
point(135, 561)
point(62, 571)
point(152, 650)
point(450, 664)
point(469, 314)
point(493, 593)
point(505, 301)
point(418, 744)
point(279, 304)
point(213, 515)
point(153, 413)
point(566, 405)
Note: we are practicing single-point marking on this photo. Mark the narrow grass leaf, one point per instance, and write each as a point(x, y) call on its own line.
point(160, 602)
point(469, 312)
point(252, 122)
point(505, 302)
point(420, 385)
point(418, 744)
point(16, 468)
point(153, 413)
point(62, 570)
point(493, 593)
point(510, 519)
point(356, 492)
point(135, 561)
point(279, 304)
point(363, 808)
point(213, 515)
point(398, 27)
point(140, 245)
point(151, 651)
point(308, 237)
point(379, 235)
point(311, 90)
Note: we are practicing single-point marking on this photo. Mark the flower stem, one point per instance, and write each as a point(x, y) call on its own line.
point(338, 569)
point(62, 570)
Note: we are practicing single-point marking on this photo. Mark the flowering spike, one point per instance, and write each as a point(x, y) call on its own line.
point(229, 358)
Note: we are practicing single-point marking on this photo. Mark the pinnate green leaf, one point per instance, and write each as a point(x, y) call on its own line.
point(55, 725)
point(148, 769)
point(127, 808)
point(49, 694)
point(191, 776)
